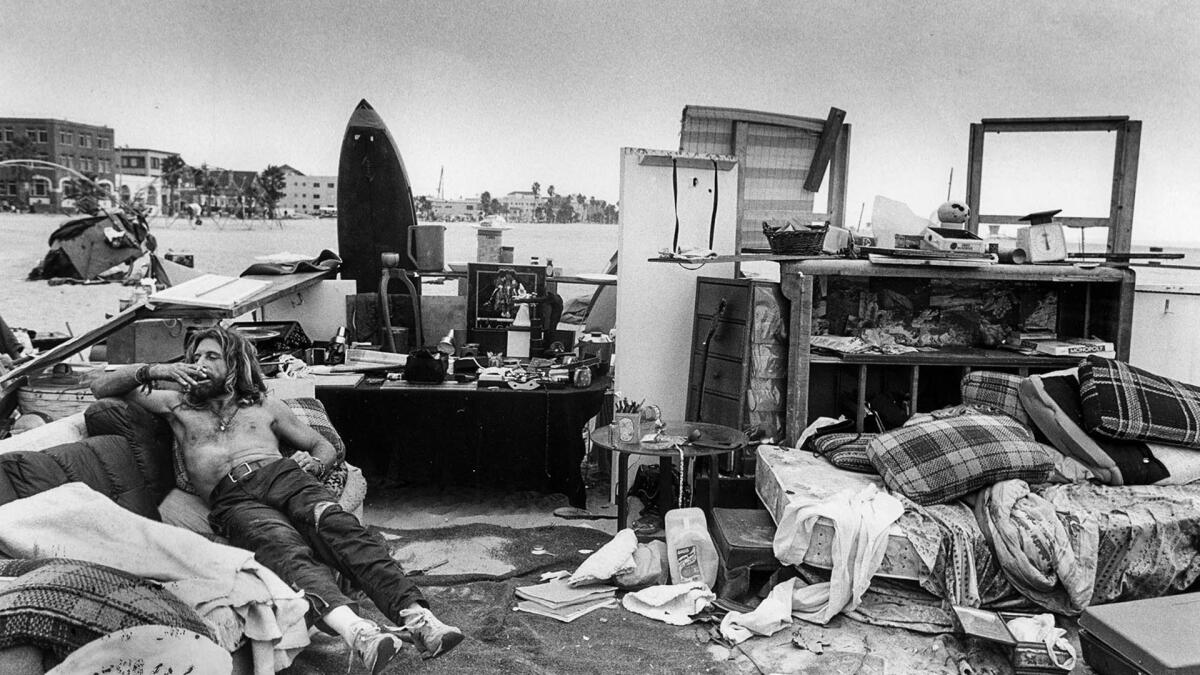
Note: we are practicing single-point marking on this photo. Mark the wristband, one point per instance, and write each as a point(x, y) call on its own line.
point(142, 376)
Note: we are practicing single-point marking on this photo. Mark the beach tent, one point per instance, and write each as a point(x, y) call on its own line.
point(83, 248)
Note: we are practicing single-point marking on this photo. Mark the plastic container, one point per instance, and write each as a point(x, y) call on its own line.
point(691, 554)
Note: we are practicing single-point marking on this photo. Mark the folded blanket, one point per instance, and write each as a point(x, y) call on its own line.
point(225, 585)
point(1049, 561)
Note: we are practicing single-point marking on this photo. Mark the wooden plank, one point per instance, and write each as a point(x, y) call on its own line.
point(724, 163)
point(281, 286)
point(798, 289)
point(831, 266)
point(1067, 221)
point(72, 346)
point(825, 148)
point(740, 258)
point(754, 116)
point(1034, 124)
point(839, 172)
point(860, 406)
point(741, 142)
point(965, 357)
point(1125, 169)
point(974, 176)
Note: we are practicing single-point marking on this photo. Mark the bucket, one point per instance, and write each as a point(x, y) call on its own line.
point(427, 243)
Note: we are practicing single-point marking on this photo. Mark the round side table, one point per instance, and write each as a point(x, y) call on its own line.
point(715, 440)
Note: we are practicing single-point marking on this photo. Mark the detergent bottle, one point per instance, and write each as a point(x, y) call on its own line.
point(691, 555)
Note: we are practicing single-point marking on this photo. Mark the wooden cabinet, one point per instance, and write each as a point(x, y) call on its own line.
point(737, 374)
point(1091, 302)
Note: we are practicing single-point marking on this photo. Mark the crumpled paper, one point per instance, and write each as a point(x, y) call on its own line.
point(610, 560)
point(674, 604)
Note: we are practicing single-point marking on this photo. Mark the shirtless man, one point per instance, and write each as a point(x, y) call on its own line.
point(230, 433)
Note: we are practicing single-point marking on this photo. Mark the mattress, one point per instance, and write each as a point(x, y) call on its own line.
point(1147, 536)
point(784, 475)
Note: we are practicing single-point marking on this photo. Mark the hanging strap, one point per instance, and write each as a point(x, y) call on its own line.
point(712, 223)
point(675, 197)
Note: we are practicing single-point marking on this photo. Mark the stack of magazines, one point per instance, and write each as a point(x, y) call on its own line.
point(557, 600)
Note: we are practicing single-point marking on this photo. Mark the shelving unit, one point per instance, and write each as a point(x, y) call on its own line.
point(1093, 301)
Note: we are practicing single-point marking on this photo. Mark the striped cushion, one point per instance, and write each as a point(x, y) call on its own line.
point(939, 461)
point(1127, 403)
point(998, 391)
point(845, 451)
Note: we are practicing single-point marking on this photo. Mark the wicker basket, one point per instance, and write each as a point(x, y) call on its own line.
point(789, 240)
point(60, 392)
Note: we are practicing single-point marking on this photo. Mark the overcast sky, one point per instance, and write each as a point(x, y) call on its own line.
point(503, 94)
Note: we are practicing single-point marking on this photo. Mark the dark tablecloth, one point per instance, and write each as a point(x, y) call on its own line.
point(451, 434)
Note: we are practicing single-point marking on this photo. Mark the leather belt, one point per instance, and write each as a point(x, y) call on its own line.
point(239, 472)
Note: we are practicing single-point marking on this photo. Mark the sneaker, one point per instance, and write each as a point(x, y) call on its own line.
point(374, 646)
point(431, 636)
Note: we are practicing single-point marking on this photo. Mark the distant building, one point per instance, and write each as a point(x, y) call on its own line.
point(521, 205)
point(86, 148)
point(456, 209)
point(139, 177)
point(308, 194)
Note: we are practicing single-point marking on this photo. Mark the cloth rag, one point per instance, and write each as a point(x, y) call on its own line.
point(674, 604)
point(861, 520)
point(610, 560)
point(225, 585)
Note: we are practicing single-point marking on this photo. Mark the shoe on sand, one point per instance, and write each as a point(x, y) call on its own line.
point(431, 636)
point(374, 646)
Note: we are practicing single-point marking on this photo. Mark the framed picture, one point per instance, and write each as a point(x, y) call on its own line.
point(493, 290)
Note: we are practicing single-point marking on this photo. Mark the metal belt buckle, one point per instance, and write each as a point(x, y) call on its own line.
point(249, 470)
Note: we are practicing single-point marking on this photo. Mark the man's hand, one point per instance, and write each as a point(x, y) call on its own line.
point(186, 374)
point(308, 463)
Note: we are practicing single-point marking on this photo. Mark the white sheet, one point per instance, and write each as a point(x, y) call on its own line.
point(75, 521)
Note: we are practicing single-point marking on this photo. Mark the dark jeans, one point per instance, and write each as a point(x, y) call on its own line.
point(297, 530)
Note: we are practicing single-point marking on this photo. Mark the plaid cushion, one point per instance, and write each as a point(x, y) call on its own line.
point(1127, 403)
point(938, 461)
point(995, 390)
point(845, 451)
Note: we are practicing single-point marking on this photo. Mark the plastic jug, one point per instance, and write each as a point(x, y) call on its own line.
point(691, 554)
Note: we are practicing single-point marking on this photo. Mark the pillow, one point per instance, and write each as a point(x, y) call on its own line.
point(1053, 402)
point(996, 391)
point(1128, 403)
point(844, 450)
point(941, 460)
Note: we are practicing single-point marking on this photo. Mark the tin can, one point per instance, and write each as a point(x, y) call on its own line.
point(627, 426)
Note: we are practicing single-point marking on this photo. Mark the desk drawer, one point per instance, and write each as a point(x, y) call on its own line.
point(709, 293)
point(721, 375)
point(729, 339)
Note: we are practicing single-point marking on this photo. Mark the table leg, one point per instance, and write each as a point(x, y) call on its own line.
point(714, 482)
point(667, 499)
point(622, 487)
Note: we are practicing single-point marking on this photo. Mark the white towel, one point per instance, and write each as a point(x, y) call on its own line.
point(674, 604)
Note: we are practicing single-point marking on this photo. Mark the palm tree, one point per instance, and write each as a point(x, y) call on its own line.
point(172, 168)
point(485, 202)
point(536, 189)
point(272, 182)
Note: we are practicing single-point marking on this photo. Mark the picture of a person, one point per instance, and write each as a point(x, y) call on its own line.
point(506, 290)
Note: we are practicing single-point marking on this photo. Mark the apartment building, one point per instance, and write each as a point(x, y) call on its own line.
point(86, 148)
point(313, 195)
point(139, 177)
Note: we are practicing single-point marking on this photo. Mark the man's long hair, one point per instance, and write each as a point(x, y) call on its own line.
point(243, 376)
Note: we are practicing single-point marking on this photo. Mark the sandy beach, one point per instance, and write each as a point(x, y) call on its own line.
point(228, 246)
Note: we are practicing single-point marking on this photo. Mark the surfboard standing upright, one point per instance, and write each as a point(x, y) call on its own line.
point(375, 203)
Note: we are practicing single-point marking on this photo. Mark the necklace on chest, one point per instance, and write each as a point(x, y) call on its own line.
point(224, 422)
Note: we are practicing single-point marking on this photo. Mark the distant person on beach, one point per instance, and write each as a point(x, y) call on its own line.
point(194, 211)
point(230, 433)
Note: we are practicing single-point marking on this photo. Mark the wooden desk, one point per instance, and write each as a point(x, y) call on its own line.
point(456, 434)
point(719, 440)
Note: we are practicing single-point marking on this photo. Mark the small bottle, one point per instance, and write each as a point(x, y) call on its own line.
point(336, 355)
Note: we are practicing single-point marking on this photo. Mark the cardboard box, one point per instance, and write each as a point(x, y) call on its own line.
point(1076, 347)
point(1026, 657)
point(952, 239)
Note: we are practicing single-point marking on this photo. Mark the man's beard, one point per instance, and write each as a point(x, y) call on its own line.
point(206, 390)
